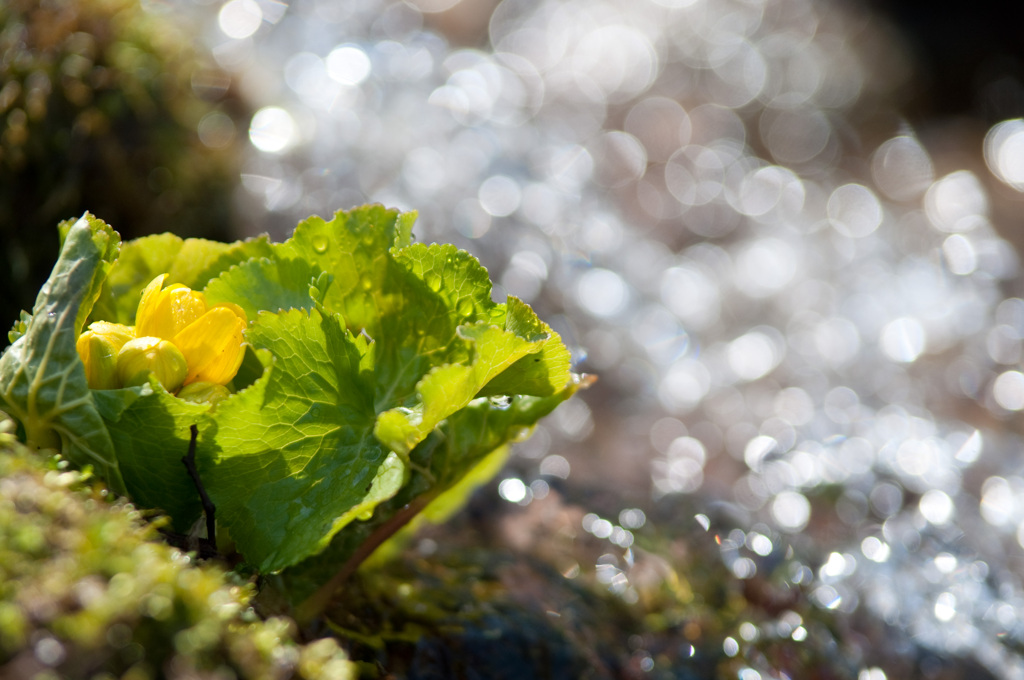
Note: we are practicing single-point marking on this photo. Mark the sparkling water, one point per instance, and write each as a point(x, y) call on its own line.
point(719, 206)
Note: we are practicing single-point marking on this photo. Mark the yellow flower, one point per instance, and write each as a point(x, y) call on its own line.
point(210, 338)
point(176, 336)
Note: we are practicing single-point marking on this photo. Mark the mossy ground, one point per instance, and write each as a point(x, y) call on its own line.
point(89, 591)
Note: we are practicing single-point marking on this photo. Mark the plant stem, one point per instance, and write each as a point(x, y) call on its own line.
point(209, 509)
point(315, 604)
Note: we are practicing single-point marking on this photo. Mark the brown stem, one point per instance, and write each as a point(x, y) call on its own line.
point(315, 604)
point(209, 509)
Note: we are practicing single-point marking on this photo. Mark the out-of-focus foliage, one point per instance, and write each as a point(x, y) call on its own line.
point(86, 593)
point(101, 104)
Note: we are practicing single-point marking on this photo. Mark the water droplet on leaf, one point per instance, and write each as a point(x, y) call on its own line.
point(320, 243)
point(519, 434)
point(465, 307)
point(434, 281)
point(502, 402)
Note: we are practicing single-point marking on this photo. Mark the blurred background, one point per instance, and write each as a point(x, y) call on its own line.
point(784, 233)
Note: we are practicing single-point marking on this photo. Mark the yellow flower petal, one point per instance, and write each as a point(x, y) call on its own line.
point(164, 313)
point(213, 346)
point(147, 305)
point(234, 308)
point(117, 333)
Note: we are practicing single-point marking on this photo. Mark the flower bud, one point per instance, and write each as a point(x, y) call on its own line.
point(98, 348)
point(204, 393)
point(142, 356)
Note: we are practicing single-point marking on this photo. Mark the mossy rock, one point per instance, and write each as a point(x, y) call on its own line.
point(88, 591)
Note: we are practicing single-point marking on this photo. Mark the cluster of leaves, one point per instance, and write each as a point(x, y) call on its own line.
point(380, 372)
point(100, 107)
point(86, 592)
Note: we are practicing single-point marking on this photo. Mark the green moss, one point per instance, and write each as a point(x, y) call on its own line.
point(86, 592)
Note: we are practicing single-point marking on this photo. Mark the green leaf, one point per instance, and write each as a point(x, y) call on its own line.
point(467, 451)
point(446, 389)
point(192, 262)
point(399, 296)
point(264, 284)
point(424, 338)
point(292, 459)
point(112, 404)
point(42, 379)
point(403, 228)
point(541, 374)
point(456, 459)
point(470, 435)
point(432, 290)
point(63, 228)
point(461, 285)
point(19, 327)
point(389, 478)
point(413, 300)
point(150, 431)
point(354, 246)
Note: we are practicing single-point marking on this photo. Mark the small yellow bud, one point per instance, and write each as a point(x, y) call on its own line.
point(204, 393)
point(142, 356)
point(99, 355)
point(98, 348)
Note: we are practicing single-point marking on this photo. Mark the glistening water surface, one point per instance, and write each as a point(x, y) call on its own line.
point(802, 318)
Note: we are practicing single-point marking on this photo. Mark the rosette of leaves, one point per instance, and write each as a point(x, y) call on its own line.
point(100, 107)
point(380, 380)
